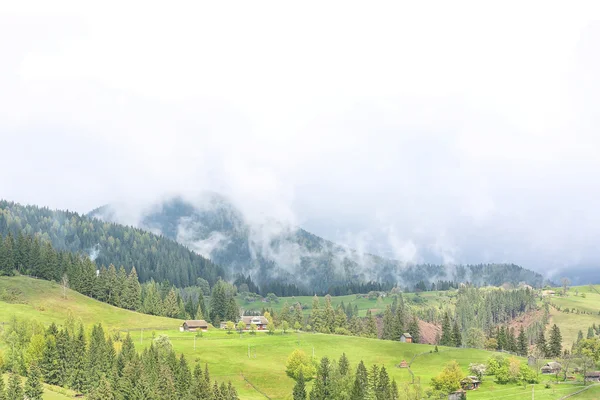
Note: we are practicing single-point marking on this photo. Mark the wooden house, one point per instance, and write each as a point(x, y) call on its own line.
point(194, 325)
point(593, 376)
point(470, 383)
point(406, 338)
point(403, 364)
point(551, 368)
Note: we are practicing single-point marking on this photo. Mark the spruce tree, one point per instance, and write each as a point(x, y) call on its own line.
point(104, 391)
point(456, 336)
point(15, 390)
point(373, 382)
point(343, 365)
point(33, 386)
point(446, 339)
point(76, 368)
point(388, 324)
point(132, 292)
point(579, 336)
point(414, 330)
point(384, 390)
point(398, 324)
point(50, 363)
point(541, 345)
point(322, 387)
point(555, 344)
point(371, 326)
point(522, 343)
point(590, 333)
point(171, 308)
point(232, 392)
point(361, 383)
point(299, 388)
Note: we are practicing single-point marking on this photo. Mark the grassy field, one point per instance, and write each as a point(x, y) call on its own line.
point(424, 299)
point(50, 392)
point(254, 363)
point(571, 323)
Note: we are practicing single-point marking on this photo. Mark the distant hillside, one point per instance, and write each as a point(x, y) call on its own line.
point(275, 251)
point(153, 256)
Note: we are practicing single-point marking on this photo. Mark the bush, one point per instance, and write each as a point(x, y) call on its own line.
point(299, 361)
point(342, 331)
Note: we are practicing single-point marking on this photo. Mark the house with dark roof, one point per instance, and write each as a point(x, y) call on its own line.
point(551, 368)
point(592, 376)
point(194, 325)
point(406, 338)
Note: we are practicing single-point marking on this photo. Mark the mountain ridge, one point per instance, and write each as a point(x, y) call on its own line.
point(273, 250)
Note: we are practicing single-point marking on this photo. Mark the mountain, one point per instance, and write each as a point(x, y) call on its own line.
point(154, 257)
point(272, 251)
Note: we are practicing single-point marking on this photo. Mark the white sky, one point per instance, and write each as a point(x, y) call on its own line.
point(415, 129)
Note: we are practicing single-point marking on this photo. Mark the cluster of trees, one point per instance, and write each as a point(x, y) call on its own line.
point(553, 347)
point(222, 304)
point(422, 286)
point(397, 320)
point(155, 257)
point(335, 380)
point(326, 319)
point(510, 370)
point(591, 333)
point(90, 364)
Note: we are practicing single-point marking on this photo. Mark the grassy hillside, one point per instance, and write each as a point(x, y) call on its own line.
point(227, 355)
point(44, 301)
point(583, 311)
point(50, 392)
point(430, 299)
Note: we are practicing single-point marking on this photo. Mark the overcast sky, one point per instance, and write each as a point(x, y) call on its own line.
point(450, 130)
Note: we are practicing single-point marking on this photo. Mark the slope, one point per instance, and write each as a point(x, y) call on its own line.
point(154, 257)
point(272, 250)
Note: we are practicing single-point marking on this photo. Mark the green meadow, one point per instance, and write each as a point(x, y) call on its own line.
point(256, 363)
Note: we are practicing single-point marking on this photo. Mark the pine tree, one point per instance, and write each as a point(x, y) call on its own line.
point(15, 390)
point(384, 390)
point(541, 344)
point(171, 308)
point(522, 343)
point(388, 324)
point(579, 336)
point(50, 364)
point(316, 317)
point(132, 293)
point(77, 367)
point(555, 344)
point(414, 330)
point(371, 326)
point(300, 389)
point(322, 387)
point(446, 339)
point(361, 382)
point(233, 312)
point(590, 333)
point(343, 365)
point(104, 391)
point(183, 378)
point(233, 393)
point(33, 386)
point(373, 383)
point(456, 336)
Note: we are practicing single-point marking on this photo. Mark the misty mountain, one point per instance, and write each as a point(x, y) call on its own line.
point(272, 250)
point(154, 257)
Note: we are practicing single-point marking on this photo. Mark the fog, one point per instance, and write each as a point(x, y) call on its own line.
point(454, 133)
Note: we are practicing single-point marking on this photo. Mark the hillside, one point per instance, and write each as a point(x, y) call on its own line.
point(252, 363)
point(154, 257)
point(270, 250)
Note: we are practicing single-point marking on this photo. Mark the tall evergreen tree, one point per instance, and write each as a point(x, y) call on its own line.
point(590, 333)
point(456, 336)
point(361, 383)
point(299, 388)
point(132, 292)
point(555, 344)
point(522, 343)
point(414, 330)
point(50, 364)
point(388, 324)
point(33, 386)
point(384, 389)
point(541, 345)
point(322, 387)
point(370, 326)
point(343, 365)
point(15, 390)
point(446, 339)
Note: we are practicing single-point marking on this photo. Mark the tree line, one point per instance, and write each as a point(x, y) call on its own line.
point(90, 364)
point(154, 257)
